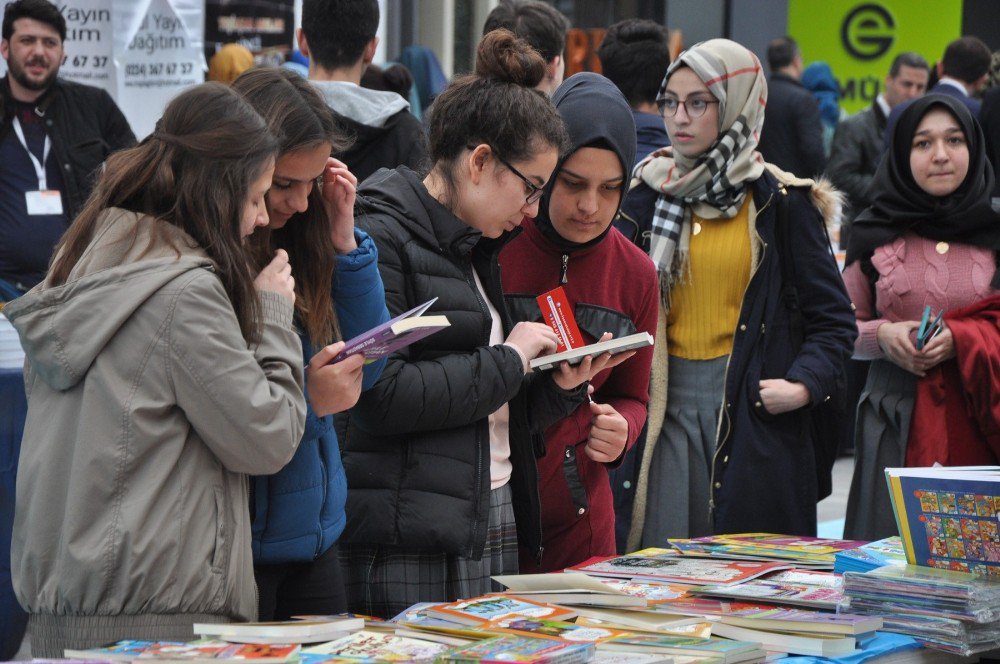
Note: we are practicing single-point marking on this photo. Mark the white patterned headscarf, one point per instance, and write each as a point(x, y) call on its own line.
point(712, 185)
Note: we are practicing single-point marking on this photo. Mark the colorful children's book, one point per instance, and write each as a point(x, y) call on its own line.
point(676, 569)
point(948, 517)
point(633, 619)
point(696, 627)
point(194, 652)
point(510, 648)
point(553, 629)
point(773, 618)
point(392, 335)
point(724, 650)
point(287, 631)
point(368, 645)
point(575, 589)
point(480, 611)
point(820, 590)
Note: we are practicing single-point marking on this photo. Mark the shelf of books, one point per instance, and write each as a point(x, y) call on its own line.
point(930, 595)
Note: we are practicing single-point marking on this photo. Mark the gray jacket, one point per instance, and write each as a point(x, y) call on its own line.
point(146, 409)
point(854, 155)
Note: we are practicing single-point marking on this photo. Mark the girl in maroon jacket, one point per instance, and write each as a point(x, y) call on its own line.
point(612, 287)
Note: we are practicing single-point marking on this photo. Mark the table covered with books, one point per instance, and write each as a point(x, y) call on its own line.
point(714, 600)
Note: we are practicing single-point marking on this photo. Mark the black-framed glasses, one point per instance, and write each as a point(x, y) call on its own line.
point(695, 107)
point(534, 191)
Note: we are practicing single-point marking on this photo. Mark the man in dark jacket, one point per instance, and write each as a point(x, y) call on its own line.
point(338, 37)
point(857, 144)
point(54, 135)
point(792, 137)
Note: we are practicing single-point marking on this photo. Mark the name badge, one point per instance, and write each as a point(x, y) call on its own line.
point(47, 201)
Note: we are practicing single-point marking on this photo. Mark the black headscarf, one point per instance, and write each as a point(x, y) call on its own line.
point(596, 115)
point(900, 206)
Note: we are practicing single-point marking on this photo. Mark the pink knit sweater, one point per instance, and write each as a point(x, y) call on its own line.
point(913, 274)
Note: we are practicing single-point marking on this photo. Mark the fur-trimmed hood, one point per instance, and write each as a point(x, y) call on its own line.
point(828, 200)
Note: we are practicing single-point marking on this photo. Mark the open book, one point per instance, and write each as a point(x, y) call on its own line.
point(576, 355)
point(392, 335)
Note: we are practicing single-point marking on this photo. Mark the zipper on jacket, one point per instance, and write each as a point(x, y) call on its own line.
point(470, 278)
point(563, 279)
point(724, 411)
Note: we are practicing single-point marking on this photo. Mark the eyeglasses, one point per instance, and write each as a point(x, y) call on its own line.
point(534, 191)
point(695, 107)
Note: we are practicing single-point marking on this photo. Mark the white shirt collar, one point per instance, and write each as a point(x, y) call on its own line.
point(883, 104)
point(958, 85)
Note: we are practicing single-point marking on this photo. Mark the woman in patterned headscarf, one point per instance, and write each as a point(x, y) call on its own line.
point(754, 341)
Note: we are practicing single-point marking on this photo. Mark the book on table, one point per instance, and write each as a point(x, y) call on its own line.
point(948, 517)
point(723, 651)
point(577, 589)
point(401, 331)
point(194, 652)
point(285, 631)
point(480, 611)
point(774, 618)
point(795, 644)
point(677, 569)
point(809, 588)
point(577, 355)
point(378, 646)
point(510, 648)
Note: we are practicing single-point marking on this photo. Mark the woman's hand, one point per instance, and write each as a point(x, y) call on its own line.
point(608, 433)
point(532, 339)
point(569, 377)
point(339, 189)
point(940, 348)
point(897, 344)
point(333, 388)
point(277, 277)
point(782, 396)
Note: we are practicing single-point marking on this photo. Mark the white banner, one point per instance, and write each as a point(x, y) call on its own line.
point(158, 53)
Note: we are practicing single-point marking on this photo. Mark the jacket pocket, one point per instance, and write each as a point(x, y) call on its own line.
point(574, 482)
point(595, 320)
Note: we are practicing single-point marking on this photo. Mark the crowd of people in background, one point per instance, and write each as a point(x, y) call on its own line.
point(181, 302)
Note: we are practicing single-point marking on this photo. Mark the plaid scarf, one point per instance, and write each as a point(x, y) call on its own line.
point(712, 185)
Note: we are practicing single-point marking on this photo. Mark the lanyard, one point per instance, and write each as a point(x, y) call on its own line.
point(39, 165)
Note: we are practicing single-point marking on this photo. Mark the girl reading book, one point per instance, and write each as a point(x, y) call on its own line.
point(299, 512)
point(437, 453)
point(161, 369)
point(612, 287)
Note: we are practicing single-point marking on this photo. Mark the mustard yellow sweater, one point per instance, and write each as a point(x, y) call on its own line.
point(704, 308)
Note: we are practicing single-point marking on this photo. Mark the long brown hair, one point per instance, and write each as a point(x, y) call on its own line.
point(194, 171)
point(299, 118)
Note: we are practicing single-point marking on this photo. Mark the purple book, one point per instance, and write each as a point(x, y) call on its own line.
point(392, 335)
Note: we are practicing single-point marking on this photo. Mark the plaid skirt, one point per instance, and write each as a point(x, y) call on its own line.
point(385, 580)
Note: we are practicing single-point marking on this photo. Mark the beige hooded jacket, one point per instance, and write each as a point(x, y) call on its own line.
point(146, 409)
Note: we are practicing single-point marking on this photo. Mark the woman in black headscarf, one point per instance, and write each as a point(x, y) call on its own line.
point(612, 288)
point(929, 238)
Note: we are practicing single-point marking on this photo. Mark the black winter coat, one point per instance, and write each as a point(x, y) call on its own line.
point(855, 153)
point(764, 470)
point(399, 142)
point(792, 136)
point(85, 125)
point(417, 449)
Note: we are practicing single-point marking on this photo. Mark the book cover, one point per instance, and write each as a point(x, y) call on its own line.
point(510, 648)
point(195, 652)
point(479, 611)
point(947, 517)
point(379, 646)
point(695, 628)
point(576, 355)
point(775, 618)
point(679, 645)
point(677, 569)
point(888, 551)
point(394, 334)
point(796, 587)
point(553, 629)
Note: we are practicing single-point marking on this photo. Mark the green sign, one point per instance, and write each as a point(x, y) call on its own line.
point(860, 38)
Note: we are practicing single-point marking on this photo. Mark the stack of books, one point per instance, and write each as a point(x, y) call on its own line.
point(884, 552)
point(800, 552)
point(957, 612)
